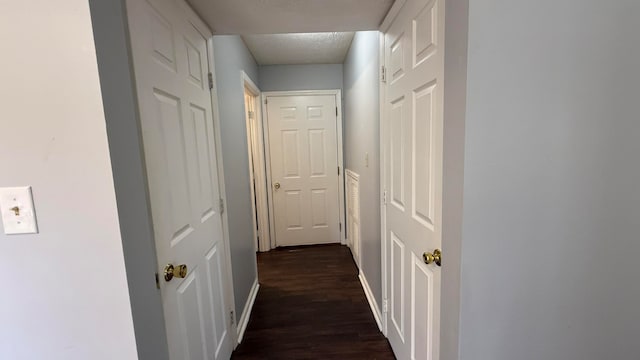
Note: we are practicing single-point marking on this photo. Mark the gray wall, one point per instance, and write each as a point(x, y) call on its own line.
point(64, 290)
point(362, 136)
point(231, 57)
point(552, 181)
point(300, 77)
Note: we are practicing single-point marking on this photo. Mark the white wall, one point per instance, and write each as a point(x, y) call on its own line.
point(232, 57)
point(300, 77)
point(361, 137)
point(551, 193)
point(64, 290)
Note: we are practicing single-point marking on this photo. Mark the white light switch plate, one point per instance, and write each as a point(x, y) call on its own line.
point(18, 213)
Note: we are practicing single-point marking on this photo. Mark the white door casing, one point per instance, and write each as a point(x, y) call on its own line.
point(414, 60)
point(250, 117)
point(304, 177)
point(255, 143)
point(171, 65)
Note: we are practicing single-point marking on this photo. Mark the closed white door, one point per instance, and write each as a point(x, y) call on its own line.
point(303, 149)
point(414, 48)
point(353, 214)
point(171, 65)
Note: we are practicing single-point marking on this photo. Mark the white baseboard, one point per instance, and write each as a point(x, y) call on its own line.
point(246, 312)
point(375, 309)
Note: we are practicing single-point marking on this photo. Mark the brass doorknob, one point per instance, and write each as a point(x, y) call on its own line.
point(276, 186)
point(171, 271)
point(435, 257)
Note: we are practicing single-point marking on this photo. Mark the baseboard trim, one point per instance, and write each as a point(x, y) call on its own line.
point(371, 299)
point(246, 312)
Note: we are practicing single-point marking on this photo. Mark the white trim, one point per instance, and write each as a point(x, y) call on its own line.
point(248, 83)
point(391, 15)
point(355, 176)
point(246, 312)
point(246, 91)
point(343, 216)
point(259, 178)
point(267, 161)
point(338, 94)
point(375, 309)
point(383, 207)
point(228, 280)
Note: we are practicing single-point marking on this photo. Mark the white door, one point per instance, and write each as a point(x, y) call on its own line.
point(353, 214)
point(171, 67)
point(413, 176)
point(303, 149)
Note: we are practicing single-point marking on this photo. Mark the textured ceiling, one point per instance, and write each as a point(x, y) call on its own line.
point(290, 16)
point(306, 48)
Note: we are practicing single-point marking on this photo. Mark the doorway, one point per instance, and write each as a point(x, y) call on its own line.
point(257, 172)
point(303, 152)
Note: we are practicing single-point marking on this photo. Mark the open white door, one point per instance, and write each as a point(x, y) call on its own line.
point(169, 45)
point(414, 58)
point(304, 176)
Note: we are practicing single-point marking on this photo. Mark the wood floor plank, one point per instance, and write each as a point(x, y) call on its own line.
point(311, 306)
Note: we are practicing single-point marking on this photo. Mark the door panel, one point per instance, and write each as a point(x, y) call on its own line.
point(413, 176)
point(171, 66)
point(190, 309)
point(218, 327)
point(397, 284)
point(304, 162)
point(319, 209)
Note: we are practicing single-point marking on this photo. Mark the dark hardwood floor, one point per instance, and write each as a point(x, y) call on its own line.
point(311, 306)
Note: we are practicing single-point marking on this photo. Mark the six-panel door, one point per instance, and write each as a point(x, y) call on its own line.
point(413, 177)
point(304, 168)
point(171, 67)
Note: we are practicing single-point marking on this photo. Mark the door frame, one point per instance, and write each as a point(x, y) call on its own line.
point(202, 27)
point(228, 280)
point(455, 53)
point(267, 156)
point(255, 148)
point(384, 27)
point(205, 31)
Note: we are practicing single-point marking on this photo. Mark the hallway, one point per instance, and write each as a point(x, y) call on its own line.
point(311, 306)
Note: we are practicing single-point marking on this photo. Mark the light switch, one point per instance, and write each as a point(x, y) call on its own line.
point(18, 213)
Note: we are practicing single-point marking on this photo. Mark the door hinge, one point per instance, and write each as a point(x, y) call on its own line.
point(266, 101)
point(338, 170)
point(385, 305)
point(221, 206)
point(232, 317)
point(210, 81)
point(383, 74)
point(251, 114)
point(340, 226)
point(336, 111)
point(384, 197)
point(157, 281)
